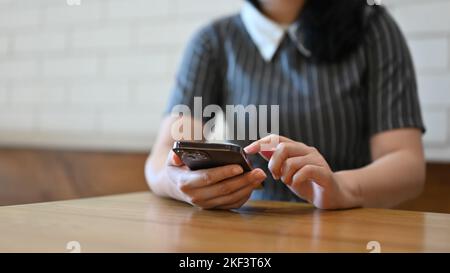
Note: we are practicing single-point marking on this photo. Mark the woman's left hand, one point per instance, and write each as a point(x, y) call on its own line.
point(304, 170)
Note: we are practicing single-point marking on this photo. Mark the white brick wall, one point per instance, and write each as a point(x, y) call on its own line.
point(426, 25)
point(98, 75)
point(3, 45)
point(69, 67)
point(39, 41)
point(139, 8)
point(421, 49)
point(95, 75)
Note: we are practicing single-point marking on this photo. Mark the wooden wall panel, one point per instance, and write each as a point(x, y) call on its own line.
point(436, 194)
point(29, 175)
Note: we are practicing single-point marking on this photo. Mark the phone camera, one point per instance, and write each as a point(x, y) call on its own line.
point(195, 155)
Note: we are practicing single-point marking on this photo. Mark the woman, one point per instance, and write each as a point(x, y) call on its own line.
point(350, 121)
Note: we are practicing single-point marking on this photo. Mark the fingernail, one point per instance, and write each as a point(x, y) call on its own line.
point(260, 175)
point(267, 154)
point(237, 170)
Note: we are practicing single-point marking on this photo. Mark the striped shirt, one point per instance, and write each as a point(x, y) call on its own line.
point(335, 107)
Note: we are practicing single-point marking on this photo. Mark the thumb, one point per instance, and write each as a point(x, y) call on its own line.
point(174, 160)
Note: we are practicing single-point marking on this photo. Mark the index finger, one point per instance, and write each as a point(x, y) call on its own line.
point(266, 145)
point(207, 177)
point(285, 151)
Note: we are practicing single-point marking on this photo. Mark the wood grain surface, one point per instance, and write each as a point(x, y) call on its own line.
point(142, 222)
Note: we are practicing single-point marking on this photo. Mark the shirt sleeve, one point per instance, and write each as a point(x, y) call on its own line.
point(392, 89)
point(198, 74)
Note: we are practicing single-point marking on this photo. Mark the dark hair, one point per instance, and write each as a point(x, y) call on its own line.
point(333, 28)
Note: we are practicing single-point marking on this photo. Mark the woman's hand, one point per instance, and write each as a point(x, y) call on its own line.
point(304, 170)
point(224, 187)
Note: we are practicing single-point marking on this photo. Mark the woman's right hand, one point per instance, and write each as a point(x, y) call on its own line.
point(225, 187)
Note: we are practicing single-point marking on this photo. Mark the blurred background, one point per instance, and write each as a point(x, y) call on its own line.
point(83, 84)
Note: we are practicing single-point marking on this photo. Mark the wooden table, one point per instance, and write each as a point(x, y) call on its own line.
point(142, 222)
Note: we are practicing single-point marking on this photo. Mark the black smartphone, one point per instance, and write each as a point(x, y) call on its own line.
point(203, 155)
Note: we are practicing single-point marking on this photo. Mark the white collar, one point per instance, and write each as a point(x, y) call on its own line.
point(267, 34)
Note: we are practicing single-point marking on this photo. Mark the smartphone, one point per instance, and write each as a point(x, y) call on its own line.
point(202, 155)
